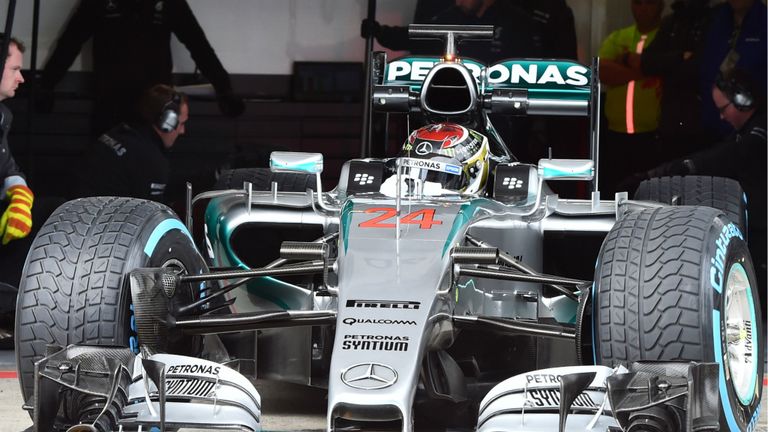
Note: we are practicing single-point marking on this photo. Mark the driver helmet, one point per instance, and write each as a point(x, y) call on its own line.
point(449, 154)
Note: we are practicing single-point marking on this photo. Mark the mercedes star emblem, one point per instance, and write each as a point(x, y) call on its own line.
point(369, 376)
point(424, 148)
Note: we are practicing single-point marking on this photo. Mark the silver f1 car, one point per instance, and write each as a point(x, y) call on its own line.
point(445, 287)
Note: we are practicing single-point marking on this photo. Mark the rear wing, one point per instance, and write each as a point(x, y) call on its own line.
point(531, 87)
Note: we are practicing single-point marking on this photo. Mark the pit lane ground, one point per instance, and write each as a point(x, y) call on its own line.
point(286, 407)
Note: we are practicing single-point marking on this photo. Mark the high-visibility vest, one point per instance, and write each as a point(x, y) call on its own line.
point(634, 107)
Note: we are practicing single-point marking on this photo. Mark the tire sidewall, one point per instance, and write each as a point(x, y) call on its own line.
point(726, 240)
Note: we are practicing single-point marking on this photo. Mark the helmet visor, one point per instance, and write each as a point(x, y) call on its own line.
point(441, 170)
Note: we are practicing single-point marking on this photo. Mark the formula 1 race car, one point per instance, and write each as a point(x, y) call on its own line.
point(445, 287)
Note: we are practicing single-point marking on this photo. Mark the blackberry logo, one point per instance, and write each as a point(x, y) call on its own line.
point(512, 182)
point(363, 179)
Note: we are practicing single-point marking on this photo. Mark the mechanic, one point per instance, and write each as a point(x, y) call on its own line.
point(675, 56)
point(16, 221)
point(742, 156)
point(16, 199)
point(736, 37)
point(131, 159)
point(132, 52)
point(632, 99)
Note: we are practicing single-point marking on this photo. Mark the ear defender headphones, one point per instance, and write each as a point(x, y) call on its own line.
point(735, 87)
point(168, 120)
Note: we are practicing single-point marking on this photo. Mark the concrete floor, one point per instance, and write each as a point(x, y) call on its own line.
point(288, 407)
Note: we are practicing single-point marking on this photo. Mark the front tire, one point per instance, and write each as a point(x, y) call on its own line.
point(677, 283)
point(74, 288)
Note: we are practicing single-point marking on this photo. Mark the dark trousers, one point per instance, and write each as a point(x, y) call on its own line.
point(623, 154)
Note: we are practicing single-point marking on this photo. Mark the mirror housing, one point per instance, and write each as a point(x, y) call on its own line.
point(296, 162)
point(566, 169)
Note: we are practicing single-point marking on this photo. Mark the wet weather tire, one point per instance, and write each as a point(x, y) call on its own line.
point(74, 288)
point(677, 283)
point(717, 192)
point(262, 178)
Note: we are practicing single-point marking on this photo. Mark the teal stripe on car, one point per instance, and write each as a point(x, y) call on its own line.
point(465, 214)
point(308, 167)
point(345, 220)
point(551, 172)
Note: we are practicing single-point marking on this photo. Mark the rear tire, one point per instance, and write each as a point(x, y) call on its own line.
point(721, 193)
point(74, 288)
point(677, 283)
point(262, 178)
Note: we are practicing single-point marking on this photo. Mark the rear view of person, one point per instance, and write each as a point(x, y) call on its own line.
point(131, 53)
point(514, 31)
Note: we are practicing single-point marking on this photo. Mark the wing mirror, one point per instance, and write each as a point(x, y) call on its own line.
point(566, 169)
point(302, 163)
point(296, 162)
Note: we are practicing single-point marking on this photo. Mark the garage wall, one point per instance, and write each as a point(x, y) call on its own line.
point(250, 36)
point(266, 36)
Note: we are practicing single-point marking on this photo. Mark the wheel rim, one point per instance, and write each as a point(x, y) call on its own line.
point(175, 265)
point(741, 337)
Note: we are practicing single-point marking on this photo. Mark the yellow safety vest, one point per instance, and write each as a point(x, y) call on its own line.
point(633, 107)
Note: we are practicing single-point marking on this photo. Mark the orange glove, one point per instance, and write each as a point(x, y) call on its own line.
point(16, 221)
